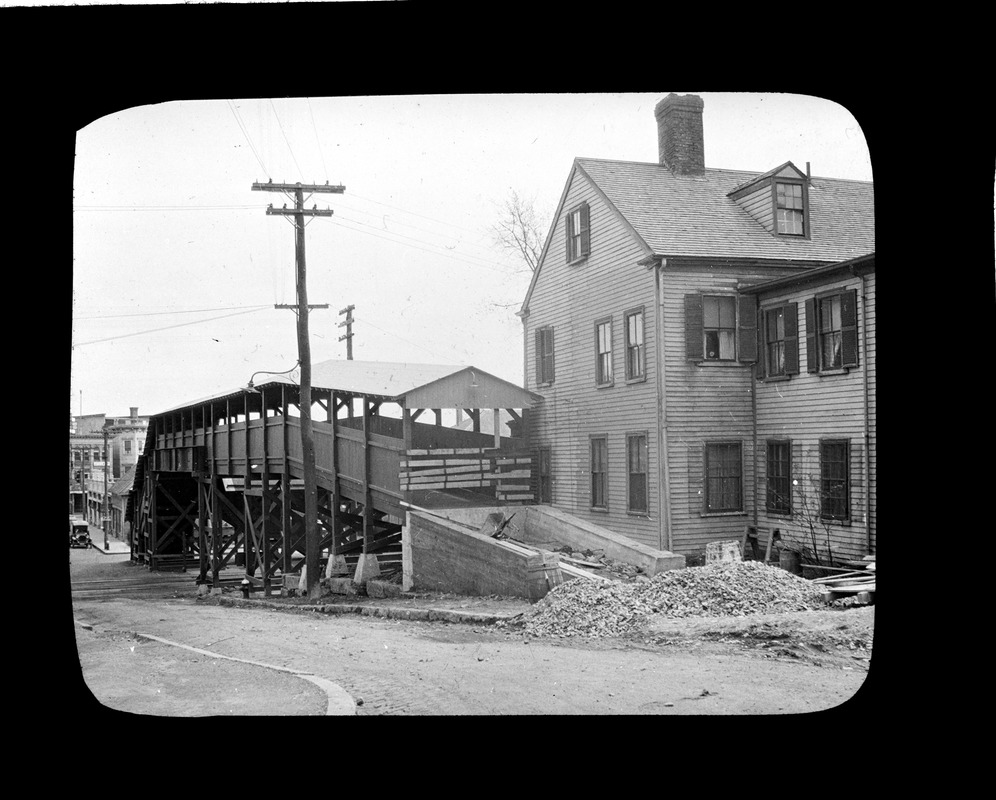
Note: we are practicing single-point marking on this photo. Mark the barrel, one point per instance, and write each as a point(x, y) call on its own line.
point(791, 561)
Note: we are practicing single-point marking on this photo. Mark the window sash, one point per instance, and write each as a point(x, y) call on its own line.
point(634, 345)
point(603, 352)
point(834, 480)
point(719, 328)
point(637, 457)
point(779, 478)
point(724, 477)
point(599, 476)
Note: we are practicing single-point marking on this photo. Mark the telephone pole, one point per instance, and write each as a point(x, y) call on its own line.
point(304, 356)
point(348, 311)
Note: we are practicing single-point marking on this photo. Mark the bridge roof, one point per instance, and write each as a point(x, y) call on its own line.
point(409, 384)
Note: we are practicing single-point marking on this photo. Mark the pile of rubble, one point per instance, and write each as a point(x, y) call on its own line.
point(740, 588)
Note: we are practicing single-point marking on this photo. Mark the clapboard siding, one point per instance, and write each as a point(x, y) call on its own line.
point(705, 402)
point(810, 407)
point(570, 297)
point(759, 205)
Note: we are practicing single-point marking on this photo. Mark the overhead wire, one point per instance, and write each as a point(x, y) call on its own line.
point(167, 327)
point(245, 133)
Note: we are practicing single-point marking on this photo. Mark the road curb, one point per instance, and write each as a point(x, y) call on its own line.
point(339, 702)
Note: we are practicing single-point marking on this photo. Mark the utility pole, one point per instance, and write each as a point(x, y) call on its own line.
point(348, 324)
point(304, 356)
point(103, 521)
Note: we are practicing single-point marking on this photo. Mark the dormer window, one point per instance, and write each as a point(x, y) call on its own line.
point(790, 209)
point(778, 200)
point(578, 233)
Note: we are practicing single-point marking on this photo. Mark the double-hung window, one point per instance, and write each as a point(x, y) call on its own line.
point(781, 341)
point(835, 479)
point(636, 473)
point(724, 477)
point(603, 352)
point(779, 478)
point(578, 229)
point(635, 351)
point(719, 327)
point(790, 207)
point(599, 472)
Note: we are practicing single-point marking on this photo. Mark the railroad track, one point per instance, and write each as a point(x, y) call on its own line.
point(139, 586)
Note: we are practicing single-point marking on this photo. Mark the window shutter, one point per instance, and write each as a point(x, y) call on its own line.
point(762, 349)
point(539, 356)
point(849, 328)
point(792, 338)
point(568, 235)
point(812, 362)
point(746, 328)
point(585, 231)
point(693, 327)
point(549, 349)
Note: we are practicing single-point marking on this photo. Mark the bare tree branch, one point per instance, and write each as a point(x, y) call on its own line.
point(519, 229)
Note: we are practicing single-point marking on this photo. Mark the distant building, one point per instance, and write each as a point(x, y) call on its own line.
point(101, 450)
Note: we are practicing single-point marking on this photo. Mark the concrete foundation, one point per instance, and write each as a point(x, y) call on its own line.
point(449, 557)
point(550, 528)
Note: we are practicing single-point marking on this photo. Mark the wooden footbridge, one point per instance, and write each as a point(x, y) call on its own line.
point(220, 481)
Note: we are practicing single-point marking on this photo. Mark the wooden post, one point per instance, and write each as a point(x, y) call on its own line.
point(497, 412)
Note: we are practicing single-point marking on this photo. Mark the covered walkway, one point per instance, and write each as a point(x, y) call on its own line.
point(221, 479)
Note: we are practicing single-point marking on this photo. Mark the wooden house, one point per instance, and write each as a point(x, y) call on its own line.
point(816, 421)
point(642, 343)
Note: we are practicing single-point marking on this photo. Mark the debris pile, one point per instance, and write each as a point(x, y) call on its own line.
point(585, 608)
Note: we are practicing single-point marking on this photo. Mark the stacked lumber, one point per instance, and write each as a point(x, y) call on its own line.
point(467, 468)
point(858, 586)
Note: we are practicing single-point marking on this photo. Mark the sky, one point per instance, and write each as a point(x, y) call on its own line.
point(177, 267)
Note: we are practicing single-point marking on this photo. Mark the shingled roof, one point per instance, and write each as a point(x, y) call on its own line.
point(693, 215)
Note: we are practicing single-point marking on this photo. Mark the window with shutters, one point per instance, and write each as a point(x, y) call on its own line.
point(636, 473)
point(599, 472)
point(835, 479)
point(832, 332)
point(603, 352)
point(780, 358)
point(578, 229)
point(720, 328)
point(127, 445)
point(636, 366)
point(544, 356)
point(779, 477)
point(724, 477)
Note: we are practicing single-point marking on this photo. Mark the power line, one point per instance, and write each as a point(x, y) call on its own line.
point(317, 138)
point(462, 259)
point(169, 313)
point(289, 148)
point(166, 328)
point(245, 132)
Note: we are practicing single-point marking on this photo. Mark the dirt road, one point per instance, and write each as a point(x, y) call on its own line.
point(287, 658)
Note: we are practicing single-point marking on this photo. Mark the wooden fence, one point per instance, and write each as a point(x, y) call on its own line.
point(468, 468)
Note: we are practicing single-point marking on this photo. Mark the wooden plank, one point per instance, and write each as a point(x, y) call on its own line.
point(443, 471)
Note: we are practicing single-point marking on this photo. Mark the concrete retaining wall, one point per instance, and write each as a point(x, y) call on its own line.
point(549, 528)
point(445, 556)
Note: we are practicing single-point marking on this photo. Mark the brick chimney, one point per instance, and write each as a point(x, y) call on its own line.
point(679, 134)
point(134, 412)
